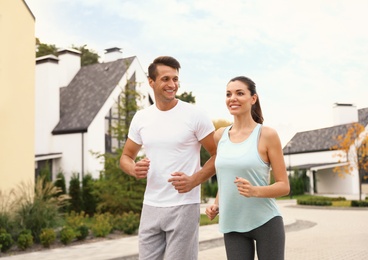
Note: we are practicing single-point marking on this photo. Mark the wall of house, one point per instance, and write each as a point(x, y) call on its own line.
point(17, 66)
point(312, 158)
point(47, 100)
point(328, 182)
point(70, 145)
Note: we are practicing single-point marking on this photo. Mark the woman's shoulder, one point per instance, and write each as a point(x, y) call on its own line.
point(218, 133)
point(269, 133)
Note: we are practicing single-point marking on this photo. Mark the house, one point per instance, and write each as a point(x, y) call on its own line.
point(311, 151)
point(17, 87)
point(75, 108)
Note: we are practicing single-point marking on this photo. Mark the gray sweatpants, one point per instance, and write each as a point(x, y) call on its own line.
point(169, 233)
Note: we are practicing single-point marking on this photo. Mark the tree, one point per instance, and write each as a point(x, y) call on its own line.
point(88, 56)
point(75, 194)
point(187, 97)
point(119, 192)
point(354, 146)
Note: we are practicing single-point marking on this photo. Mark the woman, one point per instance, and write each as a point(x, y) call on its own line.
point(246, 151)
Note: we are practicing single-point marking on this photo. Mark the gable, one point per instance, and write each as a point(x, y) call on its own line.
point(81, 100)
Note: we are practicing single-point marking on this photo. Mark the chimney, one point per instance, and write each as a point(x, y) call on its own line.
point(113, 54)
point(69, 65)
point(344, 114)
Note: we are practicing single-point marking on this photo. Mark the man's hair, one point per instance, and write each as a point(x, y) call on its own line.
point(162, 60)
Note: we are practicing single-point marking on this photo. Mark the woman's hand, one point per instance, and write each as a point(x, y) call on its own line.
point(245, 188)
point(212, 211)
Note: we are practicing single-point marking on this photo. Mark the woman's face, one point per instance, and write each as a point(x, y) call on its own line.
point(238, 98)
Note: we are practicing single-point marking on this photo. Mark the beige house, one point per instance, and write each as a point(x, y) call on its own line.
point(17, 84)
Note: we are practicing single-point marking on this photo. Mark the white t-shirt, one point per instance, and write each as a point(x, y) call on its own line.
point(171, 142)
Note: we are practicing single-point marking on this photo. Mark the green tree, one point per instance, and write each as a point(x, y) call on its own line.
point(75, 194)
point(88, 56)
point(187, 97)
point(43, 49)
point(118, 192)
point(88, 198)
point(354, 147)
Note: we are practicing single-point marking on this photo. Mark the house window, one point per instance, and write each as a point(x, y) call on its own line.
point(44, 168)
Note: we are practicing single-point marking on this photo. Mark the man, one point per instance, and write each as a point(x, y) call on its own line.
point(171, 132)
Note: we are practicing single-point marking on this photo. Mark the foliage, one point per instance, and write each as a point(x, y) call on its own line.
point(82, 232)
point(353, 144)
point(186, 97)
point(67, 234)
point(88, 56)
point(60, 183)
point(360, 203)
point(37, 207)
point(88, 198)
point(47, 237)
point(210, 189)
point(25, 239)
point(75, 194)
point(116, 191)
point(6, 240)
point(128, 222)
point(43, 49)
point(101, 226)
point(299, 182)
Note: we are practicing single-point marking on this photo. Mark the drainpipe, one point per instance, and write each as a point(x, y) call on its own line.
point(82, 172)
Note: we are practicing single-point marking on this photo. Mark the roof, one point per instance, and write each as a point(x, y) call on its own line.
point(321, 139)
point(81, 100)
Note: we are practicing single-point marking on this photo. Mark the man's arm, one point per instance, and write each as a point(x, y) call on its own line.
point(139, 169)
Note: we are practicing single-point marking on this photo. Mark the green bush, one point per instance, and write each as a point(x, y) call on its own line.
point(89, 199)
point(359, 203)
point(38, 207)
point(6, 240)
point(25, 239)
point(67, 234)
point(75, 194)
point(47, 237)
point(82, 232)
point(127, 222)
point(101, 226)
point(314, 202)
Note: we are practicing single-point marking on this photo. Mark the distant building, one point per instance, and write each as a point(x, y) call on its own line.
point(75, 108)
point(17, 68)
point(311, 151)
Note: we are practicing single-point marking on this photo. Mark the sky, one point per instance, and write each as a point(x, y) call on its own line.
point(303, 55)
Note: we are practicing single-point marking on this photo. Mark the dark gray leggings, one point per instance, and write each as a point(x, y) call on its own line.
point(269, 238)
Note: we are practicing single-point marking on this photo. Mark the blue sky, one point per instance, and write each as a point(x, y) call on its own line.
point(304, 55)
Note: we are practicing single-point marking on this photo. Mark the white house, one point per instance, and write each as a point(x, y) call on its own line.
point(311, 151)
point(75, 108)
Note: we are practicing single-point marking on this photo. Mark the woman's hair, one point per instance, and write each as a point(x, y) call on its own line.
point(162, 60)
point(256, 108)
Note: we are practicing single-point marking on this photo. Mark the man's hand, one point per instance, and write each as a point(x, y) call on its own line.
point(141, 168)
point(181, 182)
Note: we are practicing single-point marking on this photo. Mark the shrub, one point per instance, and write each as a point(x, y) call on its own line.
point(89, 199)
point(6, 240)
point(127, 222)
point(101, 226)
point(314, 202)
point(67, 235)
point(359, 203)
point(75, 194)
point(47, 237)
point(25, 239)
point(38, 207)
point(82, 232)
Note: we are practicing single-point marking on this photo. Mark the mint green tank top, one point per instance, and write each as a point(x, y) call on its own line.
point(237, 212)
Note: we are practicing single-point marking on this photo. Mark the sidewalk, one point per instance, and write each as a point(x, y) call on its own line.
point(312, 233)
